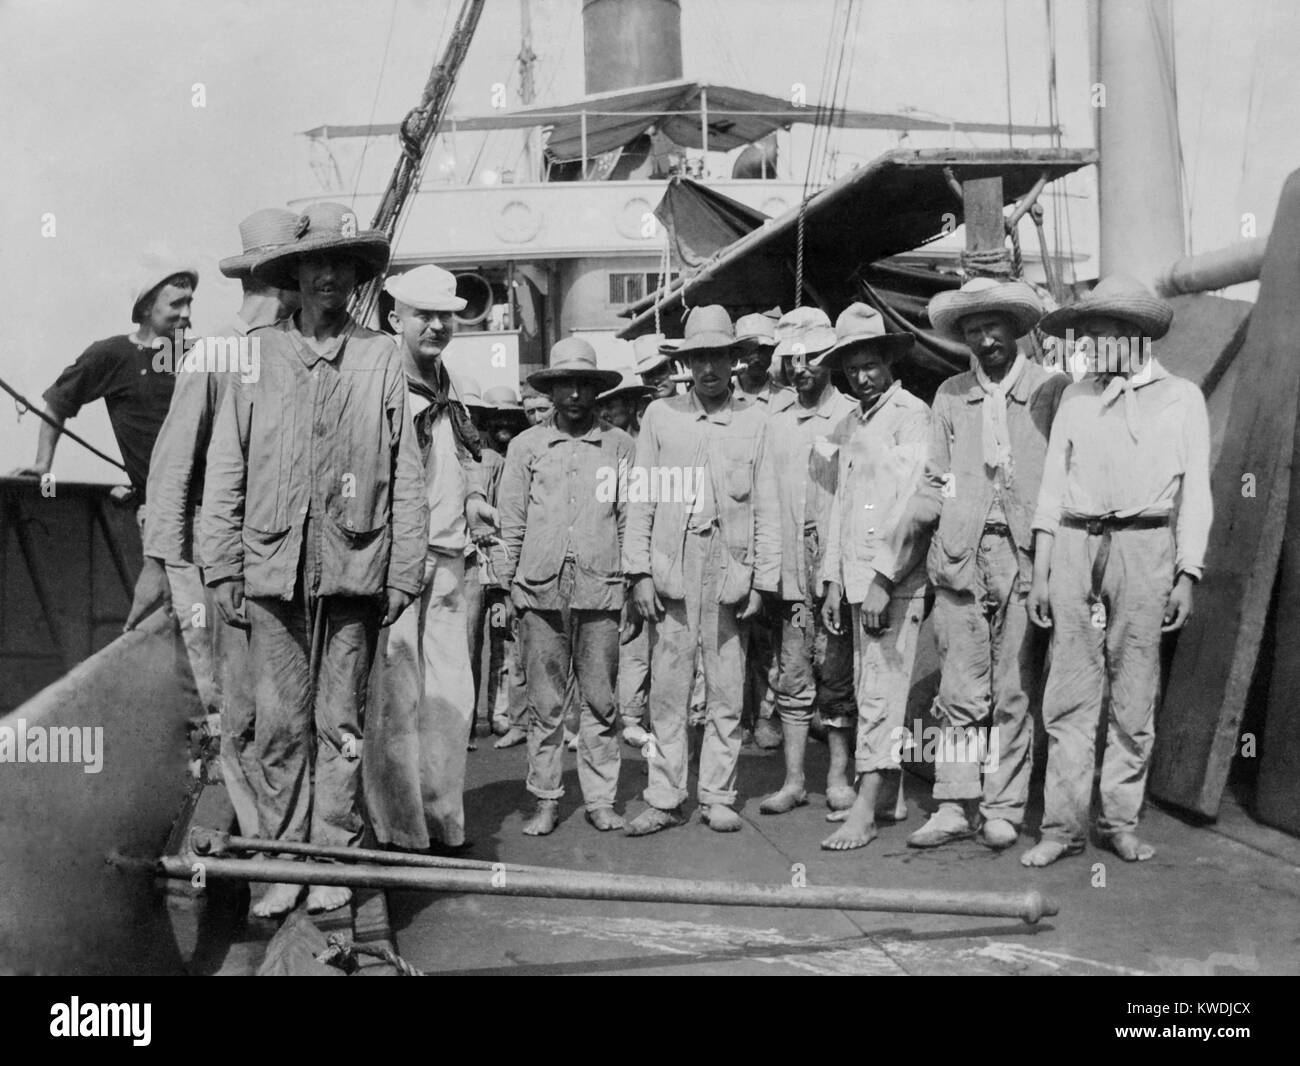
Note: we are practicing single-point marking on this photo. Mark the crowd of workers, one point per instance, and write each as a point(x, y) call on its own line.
point(739, 538)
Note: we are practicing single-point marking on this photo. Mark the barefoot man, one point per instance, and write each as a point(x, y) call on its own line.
point(812, 665)
point(562, 522)
point(987, 445)
point(691, 552)
point(1122, 523)
point(881, 453)
point(313, 509)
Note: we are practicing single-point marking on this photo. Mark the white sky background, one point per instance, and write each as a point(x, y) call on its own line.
point(97, 125)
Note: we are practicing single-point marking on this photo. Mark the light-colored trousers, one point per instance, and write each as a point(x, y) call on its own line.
point(698, 620)
point(1121, 643)
point(882, 678)
point(421, 702)
point(218, 658)
point(990, 666)
point(634, 678)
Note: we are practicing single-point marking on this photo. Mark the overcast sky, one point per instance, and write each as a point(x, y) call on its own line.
point(99, 129)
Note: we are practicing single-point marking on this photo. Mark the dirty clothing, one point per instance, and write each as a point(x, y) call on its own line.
point(634, 678)
point(771, 398)
point(991, 662)
point(421, 700)
point(1128, 461)
point(698, 622)
point(882, 677)
point(217, 652)
point(558, 644)
point(1120, 644)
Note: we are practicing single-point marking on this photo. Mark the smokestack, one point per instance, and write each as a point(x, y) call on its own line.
point(631, 42)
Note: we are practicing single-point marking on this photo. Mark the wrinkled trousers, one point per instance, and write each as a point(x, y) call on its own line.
point(1119, 642)
point(990, 667)
point(697, 621)
point(422, 702)
point(308, 750)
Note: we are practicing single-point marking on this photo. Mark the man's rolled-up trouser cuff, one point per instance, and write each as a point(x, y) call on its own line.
point(665, 799)
point(794, 713)
point(839, 717)
point(545, 793)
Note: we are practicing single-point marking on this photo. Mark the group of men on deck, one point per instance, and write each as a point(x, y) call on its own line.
point(756, 551)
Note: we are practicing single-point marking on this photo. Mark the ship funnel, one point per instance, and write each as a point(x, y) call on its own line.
point(631, 42)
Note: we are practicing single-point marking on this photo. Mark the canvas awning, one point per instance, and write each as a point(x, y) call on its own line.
point(682, 110)
point(898, 202)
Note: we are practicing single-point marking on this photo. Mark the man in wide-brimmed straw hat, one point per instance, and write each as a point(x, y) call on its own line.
point(697, 530)
point(1122, 524)
point(422, 691)
point(313, 532)
point(876, 452)
point(563, 513)
point(618, 406)
point(806, 666)
point(217, 653)
point(988, 441)
point(654, 366)
point(128, 372)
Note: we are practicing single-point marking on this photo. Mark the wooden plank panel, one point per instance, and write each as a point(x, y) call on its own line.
point(1196, 731)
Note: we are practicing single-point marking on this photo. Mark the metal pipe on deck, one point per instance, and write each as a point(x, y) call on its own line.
point(1213, 270)
point(1028, 906)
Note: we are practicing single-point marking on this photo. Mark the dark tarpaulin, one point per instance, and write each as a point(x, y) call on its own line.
point(701, 222)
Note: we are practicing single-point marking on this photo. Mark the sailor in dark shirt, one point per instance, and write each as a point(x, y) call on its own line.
point(130, 373)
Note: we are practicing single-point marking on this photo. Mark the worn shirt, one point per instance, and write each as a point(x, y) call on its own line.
point(882, 452)
point(122, 374)
point(488, 560)
point(957, 487)
point(561, 498)
point(1095, 467)
point(771, 397)
point(801, 466)
point(180, 453)
point(681, 443)
point(324, 434)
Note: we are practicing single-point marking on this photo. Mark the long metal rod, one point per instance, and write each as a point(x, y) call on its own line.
point(1028, 906)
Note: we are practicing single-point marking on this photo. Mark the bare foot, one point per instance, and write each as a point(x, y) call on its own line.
point(500, 724)
point(1129, 848)
point(635, 735)
point(840, 797)
point(858, 830)
point(721, 818)
point(784, 801)
point(327, 898)
point(511, 737)
point(604, 819)
point(279, 899)
point(544, 821)
point(1044, 853)
point(651, 820)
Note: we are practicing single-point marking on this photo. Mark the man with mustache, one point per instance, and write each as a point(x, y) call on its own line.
point(313, 531)
point(422, 692)
point(989, 435)
point(813, 667)
point(691, 560)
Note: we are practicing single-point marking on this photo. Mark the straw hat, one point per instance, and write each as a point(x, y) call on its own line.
point(426, 288)
point(708, 329)
point(756, 330)
point(1014, 299)
point(649, 351)
point(803, 331)
point(1118, 296)
point(325, 228)
point(574, 358)
point(862, 326)
point(630, 385)
point(504, 399)
point(260, 232)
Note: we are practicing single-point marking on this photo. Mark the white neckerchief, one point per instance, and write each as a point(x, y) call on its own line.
point(997, 437)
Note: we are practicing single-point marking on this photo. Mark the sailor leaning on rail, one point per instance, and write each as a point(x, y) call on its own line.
point(314, 510)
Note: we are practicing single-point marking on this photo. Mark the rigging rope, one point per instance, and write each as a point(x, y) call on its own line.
point(24, 405)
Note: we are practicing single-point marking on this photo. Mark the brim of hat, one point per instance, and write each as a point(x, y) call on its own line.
point(890, 344)
point(686, 351)
point(1151, 315)
point(451, 304)
point(239, 266)
point(812, 346)
point(947, 310)
point(370, 249)
point(750, 343)
point(649, 366)
point(624, 390)
point(604, 379)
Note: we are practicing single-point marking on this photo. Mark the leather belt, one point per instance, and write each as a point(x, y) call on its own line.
point(1103, 526)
